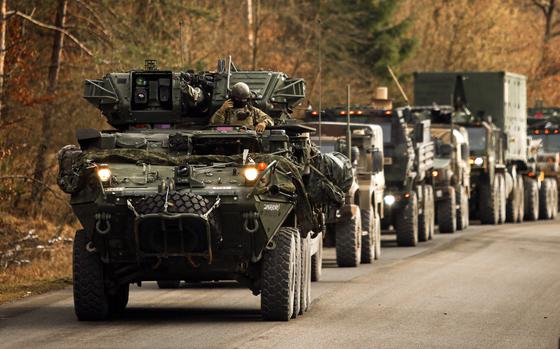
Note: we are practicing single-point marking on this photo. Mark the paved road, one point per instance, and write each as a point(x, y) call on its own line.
point(488, 287)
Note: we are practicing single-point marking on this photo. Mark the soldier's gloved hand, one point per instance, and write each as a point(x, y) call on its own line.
point(228, 104)
point(260, 127)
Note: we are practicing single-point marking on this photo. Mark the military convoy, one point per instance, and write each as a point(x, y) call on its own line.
point(166, 197)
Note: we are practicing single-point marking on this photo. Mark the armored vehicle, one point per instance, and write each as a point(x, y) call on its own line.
point(451, 172)
point(500, 178)
point(166, 198)
point(355, 228)
point(408, 201)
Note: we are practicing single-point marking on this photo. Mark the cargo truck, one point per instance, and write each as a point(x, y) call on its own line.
point(497, 128)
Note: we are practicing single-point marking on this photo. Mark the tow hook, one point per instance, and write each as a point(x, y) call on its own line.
point(103, 224)
point(254, 225)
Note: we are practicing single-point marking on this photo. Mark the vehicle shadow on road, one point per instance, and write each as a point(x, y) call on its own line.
point(186, 315)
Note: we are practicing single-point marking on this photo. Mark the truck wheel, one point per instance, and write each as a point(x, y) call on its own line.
point(348, 241)
point(168, 284)
point(305, 275)
point(430, 196)
point(545, 201)
point(91, 302)
point(317, 262)
point(512, 204)
point(119, 300)
point(554, 198)
point(489, 202)
point(299, 271)
point(407, 224)
point(521, 206)
point(378, 237)
point(463, 210)
point(447, 213)
point(279, 276)
point(502, 216)
point(531, 199)
point(368, 239)
point(425, 219)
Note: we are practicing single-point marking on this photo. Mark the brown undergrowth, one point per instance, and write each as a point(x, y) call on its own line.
point(35, 256)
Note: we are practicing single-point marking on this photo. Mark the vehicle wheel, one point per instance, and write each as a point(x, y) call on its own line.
point(424, 220)
point(512, 203)
point(430, 196)
point(317, 262)
point(91, 302)
point(447, 213)
point(463, 210)
point(348, 241)
point(502, 212)
point(306, 276)
point(378, 237)
point(119, 300)
point(299, 272)
point(279, 276)
point(407, 224)
point(545, 201)
point(531, 199)
point(168, 284)
point(521, 206)
point(489, 202)
point(368, 238)
point(554, 198)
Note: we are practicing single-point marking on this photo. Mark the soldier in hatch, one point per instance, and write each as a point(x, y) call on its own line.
point(238, 111)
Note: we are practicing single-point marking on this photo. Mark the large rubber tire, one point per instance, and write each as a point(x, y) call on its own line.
point(512, 204)
point(368, 238)
point(463, 210)
point(503, 198)
point(348, 241)
point(425, 220)
point(168, 284)
point(545, 200)
point(119, 300)
point(406, 225)
point(305, 276)
point(430, 196)
point(521, 207)
point(531, 199)
point(299, 272)
point(554, 198)
point(447, 213)
point(279, 276)
point(489, 202)
point(317, 262)
point(91, 302)
point(378, 237)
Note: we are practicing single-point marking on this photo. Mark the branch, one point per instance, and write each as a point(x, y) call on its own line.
point(52, 27)
point(27, 178)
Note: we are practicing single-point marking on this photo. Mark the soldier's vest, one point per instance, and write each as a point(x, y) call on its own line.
point(240, 116)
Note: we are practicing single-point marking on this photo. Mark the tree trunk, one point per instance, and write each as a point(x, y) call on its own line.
point(47, 132)
point(255, 28)
point(3, 20)
point(250, 28)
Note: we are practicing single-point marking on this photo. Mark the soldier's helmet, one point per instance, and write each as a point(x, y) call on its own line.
point(241, 92)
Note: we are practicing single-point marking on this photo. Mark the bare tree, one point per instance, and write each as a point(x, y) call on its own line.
point(3, 7)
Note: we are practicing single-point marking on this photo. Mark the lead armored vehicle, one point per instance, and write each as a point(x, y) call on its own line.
point(165, 197)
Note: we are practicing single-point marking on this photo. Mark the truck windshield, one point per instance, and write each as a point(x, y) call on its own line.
point(551, 143)
point(477, 138)
point(386, 132)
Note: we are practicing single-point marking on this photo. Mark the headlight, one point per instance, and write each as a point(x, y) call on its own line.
point(389, 200)
point(435, 173)
point(104, 173)
point(479, 161)
point(251, 174)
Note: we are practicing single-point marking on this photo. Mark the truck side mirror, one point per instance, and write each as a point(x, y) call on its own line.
point(419, 133)
point(465, 151)
point(377, 159)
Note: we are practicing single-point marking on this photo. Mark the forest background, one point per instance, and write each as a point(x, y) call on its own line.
point(48, 48)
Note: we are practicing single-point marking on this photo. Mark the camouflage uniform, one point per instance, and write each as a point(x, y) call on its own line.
point(247, 116)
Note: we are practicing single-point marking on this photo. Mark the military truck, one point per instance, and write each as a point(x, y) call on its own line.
point(543, 126)
point(165, 197)
point(408, 201)
point(500, 179)
point(451, 172)
point(355, 228)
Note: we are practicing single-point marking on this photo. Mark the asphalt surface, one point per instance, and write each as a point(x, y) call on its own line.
point(487, 287)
